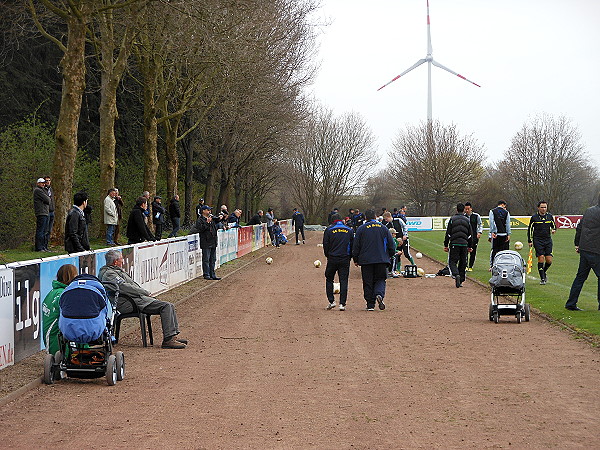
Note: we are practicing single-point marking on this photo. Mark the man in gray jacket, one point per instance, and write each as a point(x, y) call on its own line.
point(587, 244)
point(115, 279)
point(41, 206)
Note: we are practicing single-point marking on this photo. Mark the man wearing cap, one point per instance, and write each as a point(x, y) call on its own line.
point(199, 208)
point(158, 217)
point(206, 227)
point(50, 224)
point(41, 206)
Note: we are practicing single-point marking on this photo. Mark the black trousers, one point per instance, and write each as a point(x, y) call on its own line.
point(457, 261)
point(473, 253)
point(342, 268)
point(499, 243)
point(300, 229)
point(373, 278)
point(158, 229)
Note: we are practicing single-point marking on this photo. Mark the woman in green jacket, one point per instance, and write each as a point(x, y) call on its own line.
point(51, 307)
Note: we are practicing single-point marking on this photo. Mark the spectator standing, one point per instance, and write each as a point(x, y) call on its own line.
point(406, 245)
point(51, 307)
point(499, 229)
point(372, 249)
point(199, 208)
point(256, 218)
point(458, 243)
point(337, 247)
point(158, 217)
point(111, 216)
point(357, 219)
point(117, 281)
point(41, 207)
point(587, 244)
point(137, 230)
point(539, 236)
point(234, 219)
point(50, 210)
point(401, 237)
point(76, 230)
point(206, 227)
point(298, 221)
point(146, 195)
point(119, 204)
point(175, 215)
point(330, 216)
point(270, 218)
point(476, 231)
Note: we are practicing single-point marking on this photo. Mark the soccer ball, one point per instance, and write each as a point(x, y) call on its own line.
point(518, 245)
point(269, 260)
point(319, 245)
point(317, 263)
point(419, 255)
point(420, 272)
point(336, 288)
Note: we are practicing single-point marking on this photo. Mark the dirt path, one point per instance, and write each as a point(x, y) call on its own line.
point(269, 367)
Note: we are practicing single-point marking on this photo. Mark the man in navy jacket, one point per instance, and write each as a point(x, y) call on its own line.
point(372, 249)
point(337, 246)
point(298, 221)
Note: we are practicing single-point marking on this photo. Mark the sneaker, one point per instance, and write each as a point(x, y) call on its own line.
point(542, 281)
point(342, 307)
point(297, 243)
point(181, 340)
point(457, 282)
point(303, 241)
point(379, 299)
point(370, 309)
point(469, 269)
point(331, 305)
point(173, 343)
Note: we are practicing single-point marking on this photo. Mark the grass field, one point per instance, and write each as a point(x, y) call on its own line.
point(549, 299)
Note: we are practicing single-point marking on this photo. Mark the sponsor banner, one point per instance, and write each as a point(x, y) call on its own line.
point(244, 240)
point(27, 312)
point(567, 221)
point(419, 223)
point(227, 245)
point(258, 236)
point(178, 261)
point(286, 226)
point(152, 266)
point(516, 222)
point(7, 336)
point(194, 256)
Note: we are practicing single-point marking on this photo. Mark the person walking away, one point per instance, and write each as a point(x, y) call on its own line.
point(175, 215)
point(270, 215)
point(158, 217)
point(119, 204)
point(337, 247)
point(587, 244)
point(51, 207)
point(41, 207)
point(458, 243)
point(372, 249)
point(111, 217)
point(206, 227)
point(298, 221)
point(51, 307)
point(76, 230)
point(539, 236)
point(137, 230)
point(499, 230)
point(476, 231)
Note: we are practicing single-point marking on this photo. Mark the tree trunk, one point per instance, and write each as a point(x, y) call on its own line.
point(73, 70)
point(189, 172)
point(172, 162)
point(150, 127)
point(209, 193)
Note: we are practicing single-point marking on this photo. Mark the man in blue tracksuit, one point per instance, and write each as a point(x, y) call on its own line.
point(337, 246)
point(372, 249)
point(298, 221)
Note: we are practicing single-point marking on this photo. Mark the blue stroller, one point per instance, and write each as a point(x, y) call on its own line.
point(85, 337)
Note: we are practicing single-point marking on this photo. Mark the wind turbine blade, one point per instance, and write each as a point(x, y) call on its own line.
point(417, 64)
point(437, 64)
point(429, 49)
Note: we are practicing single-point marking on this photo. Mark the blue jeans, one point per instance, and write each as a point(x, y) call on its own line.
point(587, 261)
point(175, 222)
point(110, 234)
point(41, 225)
point(209, 258)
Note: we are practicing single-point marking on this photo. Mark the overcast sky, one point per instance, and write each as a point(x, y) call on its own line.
point(529, 56)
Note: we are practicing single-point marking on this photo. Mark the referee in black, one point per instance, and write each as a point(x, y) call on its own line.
point(539, 236)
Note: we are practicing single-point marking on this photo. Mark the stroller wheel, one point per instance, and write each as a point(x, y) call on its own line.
point(496, 317)
point(527, 312)
point(518, 315)
point(49, 369)
point(491, 313)
point(111, 370)
point(120, 365)
point(57, 360)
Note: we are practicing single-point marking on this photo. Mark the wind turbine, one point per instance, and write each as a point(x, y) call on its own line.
point(429, 60)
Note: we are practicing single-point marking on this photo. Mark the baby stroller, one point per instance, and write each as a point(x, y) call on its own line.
point(85, 337)
point(508, 282)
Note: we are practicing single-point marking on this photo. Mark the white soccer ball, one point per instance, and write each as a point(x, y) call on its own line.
point(420, 272)
point(518, 245)
point(319, 245)
point(419, 255)
point(269, 260)
point(336, 288)
point(317, 263)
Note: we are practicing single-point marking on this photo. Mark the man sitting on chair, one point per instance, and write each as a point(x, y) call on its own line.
point(115, 279)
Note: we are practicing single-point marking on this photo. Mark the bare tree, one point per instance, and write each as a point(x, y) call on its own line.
point(546, 161)
point(433, 163)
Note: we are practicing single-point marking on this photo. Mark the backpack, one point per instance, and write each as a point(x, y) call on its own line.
point(507, 270)
point(443, 272)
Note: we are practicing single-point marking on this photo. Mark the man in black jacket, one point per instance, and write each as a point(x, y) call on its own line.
point(256, 218)
point(459, 237)
point(298, 221)
point(76, 232)
point(337, 247)
point(539, 236)
point(137, 230)
point(587, 244)
point(175, 215)
point(158, 217)
point(206, 227)
point(41, 206)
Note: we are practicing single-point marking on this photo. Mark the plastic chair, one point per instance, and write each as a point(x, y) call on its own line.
point(143, 318)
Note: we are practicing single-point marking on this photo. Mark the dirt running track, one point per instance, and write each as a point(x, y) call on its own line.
point(269, 367)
